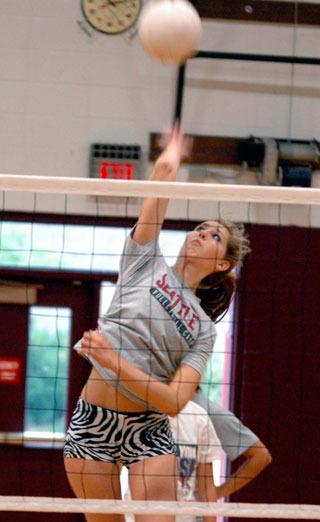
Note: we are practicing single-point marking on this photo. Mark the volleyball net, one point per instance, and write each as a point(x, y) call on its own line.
point(61, 238)
point(132, 507)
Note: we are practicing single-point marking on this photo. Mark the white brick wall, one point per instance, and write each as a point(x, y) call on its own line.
point(61, 90)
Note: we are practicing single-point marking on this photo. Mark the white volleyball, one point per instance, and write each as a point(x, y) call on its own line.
point(170, 30)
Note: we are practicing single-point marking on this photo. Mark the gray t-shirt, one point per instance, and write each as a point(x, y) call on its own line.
point(154, 320)
point(235, 438)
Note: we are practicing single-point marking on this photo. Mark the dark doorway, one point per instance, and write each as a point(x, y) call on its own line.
point(34, 471)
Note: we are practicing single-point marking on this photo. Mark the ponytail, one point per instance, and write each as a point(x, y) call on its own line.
point(215, 293)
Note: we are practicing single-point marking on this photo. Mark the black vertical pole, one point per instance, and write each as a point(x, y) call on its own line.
point(179, 93)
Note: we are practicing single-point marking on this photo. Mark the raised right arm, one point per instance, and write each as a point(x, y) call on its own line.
point(153, 210)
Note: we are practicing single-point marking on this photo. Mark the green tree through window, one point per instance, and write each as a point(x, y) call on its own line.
point(47, 369)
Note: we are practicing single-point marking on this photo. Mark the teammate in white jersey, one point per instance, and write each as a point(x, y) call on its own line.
point(197, 448)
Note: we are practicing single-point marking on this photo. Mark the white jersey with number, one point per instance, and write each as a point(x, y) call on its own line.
point(197, 442)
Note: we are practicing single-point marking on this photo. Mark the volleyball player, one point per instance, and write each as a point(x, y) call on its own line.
point(149, 353)
point(200, 430)
point(236, 440)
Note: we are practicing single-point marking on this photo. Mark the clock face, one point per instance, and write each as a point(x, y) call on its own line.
point(111, 16)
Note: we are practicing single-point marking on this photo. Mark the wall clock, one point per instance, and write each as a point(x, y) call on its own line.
point(111, 16)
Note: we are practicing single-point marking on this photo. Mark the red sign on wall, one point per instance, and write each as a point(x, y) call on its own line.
point(116, 170)
point(10, 370)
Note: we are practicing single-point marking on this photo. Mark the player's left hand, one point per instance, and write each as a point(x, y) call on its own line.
point(95, 345)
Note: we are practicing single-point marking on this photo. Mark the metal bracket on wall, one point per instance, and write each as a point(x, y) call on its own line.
point(299, 60)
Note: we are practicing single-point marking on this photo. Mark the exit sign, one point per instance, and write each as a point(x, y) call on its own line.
point(115, 161)
point(116, 170)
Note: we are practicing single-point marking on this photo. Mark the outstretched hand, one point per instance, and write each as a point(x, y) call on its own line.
point(153, 209)
point(176, 147)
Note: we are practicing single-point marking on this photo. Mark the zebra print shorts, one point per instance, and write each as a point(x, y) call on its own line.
point(97, 433)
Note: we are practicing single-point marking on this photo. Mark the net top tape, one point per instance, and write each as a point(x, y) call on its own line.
point(65, 505)
point(161, 189)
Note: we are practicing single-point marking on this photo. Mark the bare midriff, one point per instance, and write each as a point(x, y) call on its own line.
point(97, 391)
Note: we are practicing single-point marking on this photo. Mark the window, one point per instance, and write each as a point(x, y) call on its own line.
point(47, 370)
point(71, 247)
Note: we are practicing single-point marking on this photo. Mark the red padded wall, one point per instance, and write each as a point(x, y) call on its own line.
point(276, 369)
point(13, 335)
point(32, 471)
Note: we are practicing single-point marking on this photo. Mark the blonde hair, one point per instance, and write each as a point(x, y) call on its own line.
point(216, 290)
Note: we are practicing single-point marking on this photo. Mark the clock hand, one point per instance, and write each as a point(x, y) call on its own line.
point(114, 2)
